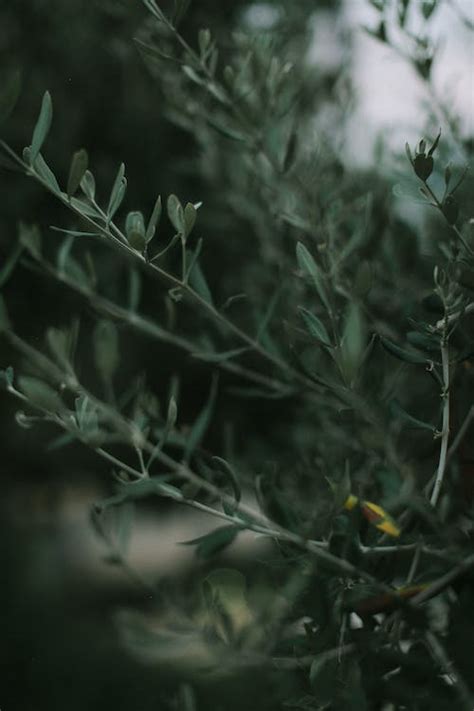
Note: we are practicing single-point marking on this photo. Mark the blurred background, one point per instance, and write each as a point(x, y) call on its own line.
point(61, 648)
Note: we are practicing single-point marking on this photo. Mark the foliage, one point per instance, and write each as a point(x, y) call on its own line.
point(298, 288)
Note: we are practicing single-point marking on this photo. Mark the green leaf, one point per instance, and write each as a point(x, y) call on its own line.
point(118, 192)
point(200, 426)
point(172, 413)
point(363, 279)
point(342, 489)
point(59, 345)
point(212, 543)
point(45, 172)
point(134, 290)
point(315, 326)
point(401, 353)
point(106, 351)
point(397, 410)
point(308, 265)
point(30, 238)
point(230, 474)
point(198, 282)
point(135, 230)
point(79, 163)
point(226, 131)
point(192, 74)
point(42, 126)
point(154, 220)
point(290, 151)
point(123, 525)
point(9, 264)
point(204, 40)
point(176, 214)
point(88, 185)
point(7, 375)
point(190, 214)
point(9, 94)
point(4, 319)
point(40, 393)
point(83, 207)
point(221, 356)
point(354, 340)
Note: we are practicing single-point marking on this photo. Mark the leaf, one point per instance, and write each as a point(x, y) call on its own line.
point(79, 163)
point(7, 375)
point(118, 192)
point(198, 282)
point(230, 474)
point(226, 131)
point(214, 542)
point(106, 350)
point(59, 345)
point(222, 356)
point(88, 185)
point(204, 40)
point(123, 525)
point(40, 393)
point(379, 518)
point(45, 172)
point(401, 353)
point(201, 424)
point(176, 214)
point(190, 215)
point(83, 207)
point(43, 124)
point(30, 238)
point(10, 262)
point(353, 340)
point(4, 318)
point(308, 265)
point(9, 94)
point(397, 410)
point(192, 74)
point(315, 326)
point(290, 151)
point(135, 230)
point(154, 220)
point(134, 290)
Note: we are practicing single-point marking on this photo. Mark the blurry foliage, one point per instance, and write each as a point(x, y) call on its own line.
point(254, 321)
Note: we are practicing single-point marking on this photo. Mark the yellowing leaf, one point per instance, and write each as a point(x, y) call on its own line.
point(375, 514)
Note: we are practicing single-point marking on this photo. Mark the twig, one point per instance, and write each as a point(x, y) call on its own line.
point(445, 428)
point(441, 656)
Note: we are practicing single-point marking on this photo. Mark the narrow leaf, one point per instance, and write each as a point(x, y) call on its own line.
point(40, 393)
point(79, 163)
point(118, 192)
point(214, 542)
point(106, 350)
point(200, 426)
point(9, 94)
point(45, 172)
point(176, 214)
point(308, 265)
point(401, 353)
point(315, 326)
point(154, 220)
point(8, 265)
point(42, 126)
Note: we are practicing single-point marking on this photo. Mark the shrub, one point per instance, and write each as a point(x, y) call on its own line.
point(336, 361)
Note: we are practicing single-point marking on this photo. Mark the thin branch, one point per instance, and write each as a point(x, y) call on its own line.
point(447, 665)
point(445, 428)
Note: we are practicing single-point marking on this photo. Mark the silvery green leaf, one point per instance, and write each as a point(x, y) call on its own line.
point(43, 124)
point(79, 163)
